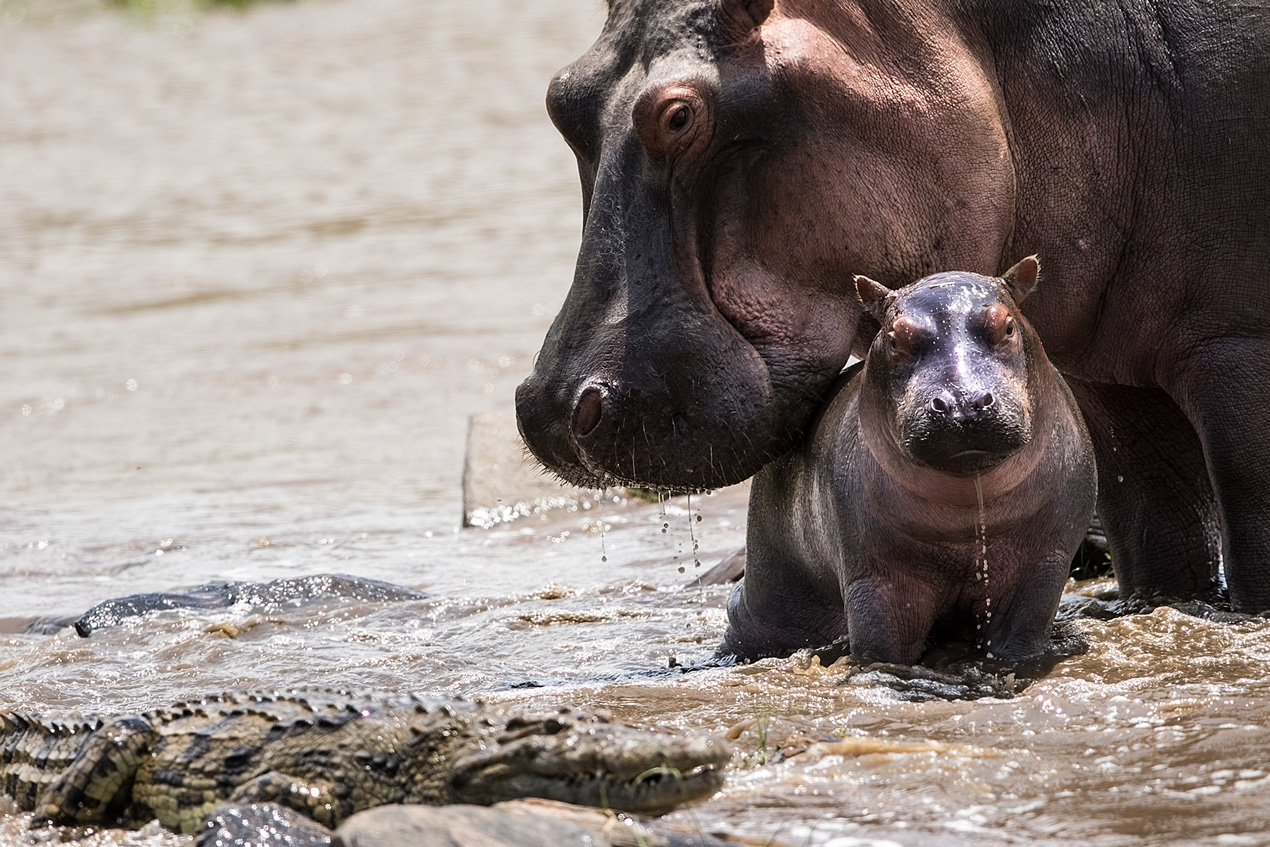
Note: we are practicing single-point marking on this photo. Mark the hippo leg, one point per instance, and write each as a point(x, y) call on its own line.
point(785, 602)
point(1022, 625)
point(773, 612)
point(1154, 495)
point(890, 621)
point(1223, 389)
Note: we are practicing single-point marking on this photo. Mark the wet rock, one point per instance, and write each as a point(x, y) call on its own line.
point(731, 569)
point(289, 592)
point(519, 823)
point(47, 625)
point(260, 825)
point(916, 683)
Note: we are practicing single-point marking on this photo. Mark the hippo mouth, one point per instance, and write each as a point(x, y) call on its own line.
point(973, 461)
point(949, 454)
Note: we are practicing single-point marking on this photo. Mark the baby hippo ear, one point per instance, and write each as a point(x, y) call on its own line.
point(873, 295)
point(1020, 280)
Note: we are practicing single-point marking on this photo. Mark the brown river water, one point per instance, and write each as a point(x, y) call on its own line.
point(258, 268)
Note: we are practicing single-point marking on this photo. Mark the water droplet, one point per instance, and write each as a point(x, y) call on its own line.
point(981, 569)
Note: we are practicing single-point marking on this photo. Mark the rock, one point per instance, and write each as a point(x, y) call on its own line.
point(731, 569)
point(260, 825)
point(289, 592)
point(518, 823)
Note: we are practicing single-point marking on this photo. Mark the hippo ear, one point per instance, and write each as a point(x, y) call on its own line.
point(1021, 279)
point(873, 295)
point(741, 17)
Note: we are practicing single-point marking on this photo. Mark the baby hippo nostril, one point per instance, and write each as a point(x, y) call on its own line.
point(939, 405)
point(587, 414)
point(985, 401)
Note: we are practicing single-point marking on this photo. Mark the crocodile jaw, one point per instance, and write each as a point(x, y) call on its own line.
point(585, 760)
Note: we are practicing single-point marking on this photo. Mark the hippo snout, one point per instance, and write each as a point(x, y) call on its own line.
point(964, 431)
point(966, 408)
point(562, 427)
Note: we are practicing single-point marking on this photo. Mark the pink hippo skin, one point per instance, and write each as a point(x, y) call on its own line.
point(741, 160)
point(940, 494)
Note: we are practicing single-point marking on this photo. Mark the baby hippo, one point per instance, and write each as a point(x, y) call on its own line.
point(940, 494)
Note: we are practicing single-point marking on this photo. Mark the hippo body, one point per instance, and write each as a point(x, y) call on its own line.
point(741, 159)
point(940, 494)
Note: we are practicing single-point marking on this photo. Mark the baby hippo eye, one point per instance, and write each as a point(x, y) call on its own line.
point(903, 338)
point(999, 324)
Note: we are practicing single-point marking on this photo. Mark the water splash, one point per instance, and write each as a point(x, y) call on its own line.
point(981, 569)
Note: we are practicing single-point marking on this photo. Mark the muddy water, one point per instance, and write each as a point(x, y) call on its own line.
point(257, 270)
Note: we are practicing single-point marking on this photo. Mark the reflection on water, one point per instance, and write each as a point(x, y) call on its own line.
point(257, 270)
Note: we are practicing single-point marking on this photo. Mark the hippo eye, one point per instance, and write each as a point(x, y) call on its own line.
point(679, 119)
point(676, 117)
point(905, 338)
point(998, 324)
point(672, 118)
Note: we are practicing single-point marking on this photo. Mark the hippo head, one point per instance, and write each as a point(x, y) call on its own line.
point(948, 373)
point(737, 164)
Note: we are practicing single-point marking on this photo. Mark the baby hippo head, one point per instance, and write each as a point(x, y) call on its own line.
point(950, 366)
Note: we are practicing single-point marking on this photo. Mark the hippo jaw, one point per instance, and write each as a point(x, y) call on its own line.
point(965, 450)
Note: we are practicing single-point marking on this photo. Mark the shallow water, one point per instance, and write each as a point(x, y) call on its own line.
point(258, 269)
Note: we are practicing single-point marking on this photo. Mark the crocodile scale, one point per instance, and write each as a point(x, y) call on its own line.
point(329, 756)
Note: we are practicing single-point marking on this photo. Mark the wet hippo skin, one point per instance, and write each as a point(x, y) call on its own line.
point(741, 160)
point(940, 494)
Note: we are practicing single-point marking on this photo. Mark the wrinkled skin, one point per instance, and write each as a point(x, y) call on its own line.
point(874, 532)
point(740, 163)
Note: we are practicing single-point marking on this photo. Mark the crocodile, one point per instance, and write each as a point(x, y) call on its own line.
point(327, 757)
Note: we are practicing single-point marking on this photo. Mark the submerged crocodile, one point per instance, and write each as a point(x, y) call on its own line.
point(328, 758)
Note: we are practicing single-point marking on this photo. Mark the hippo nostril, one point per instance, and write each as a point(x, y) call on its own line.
point(938, 405)
point(985, 401)
point(587, 414)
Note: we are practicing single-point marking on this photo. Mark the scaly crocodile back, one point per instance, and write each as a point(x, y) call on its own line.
point(36, 751)
point(329, 755)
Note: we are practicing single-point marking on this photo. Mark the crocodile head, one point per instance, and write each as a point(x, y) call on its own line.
point(586, 759)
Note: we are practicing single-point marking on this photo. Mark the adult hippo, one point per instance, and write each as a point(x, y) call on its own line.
point(741, 159)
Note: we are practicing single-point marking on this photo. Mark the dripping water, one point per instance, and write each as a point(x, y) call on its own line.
point(599, 511)
point(692, 533)
point(981, 568)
